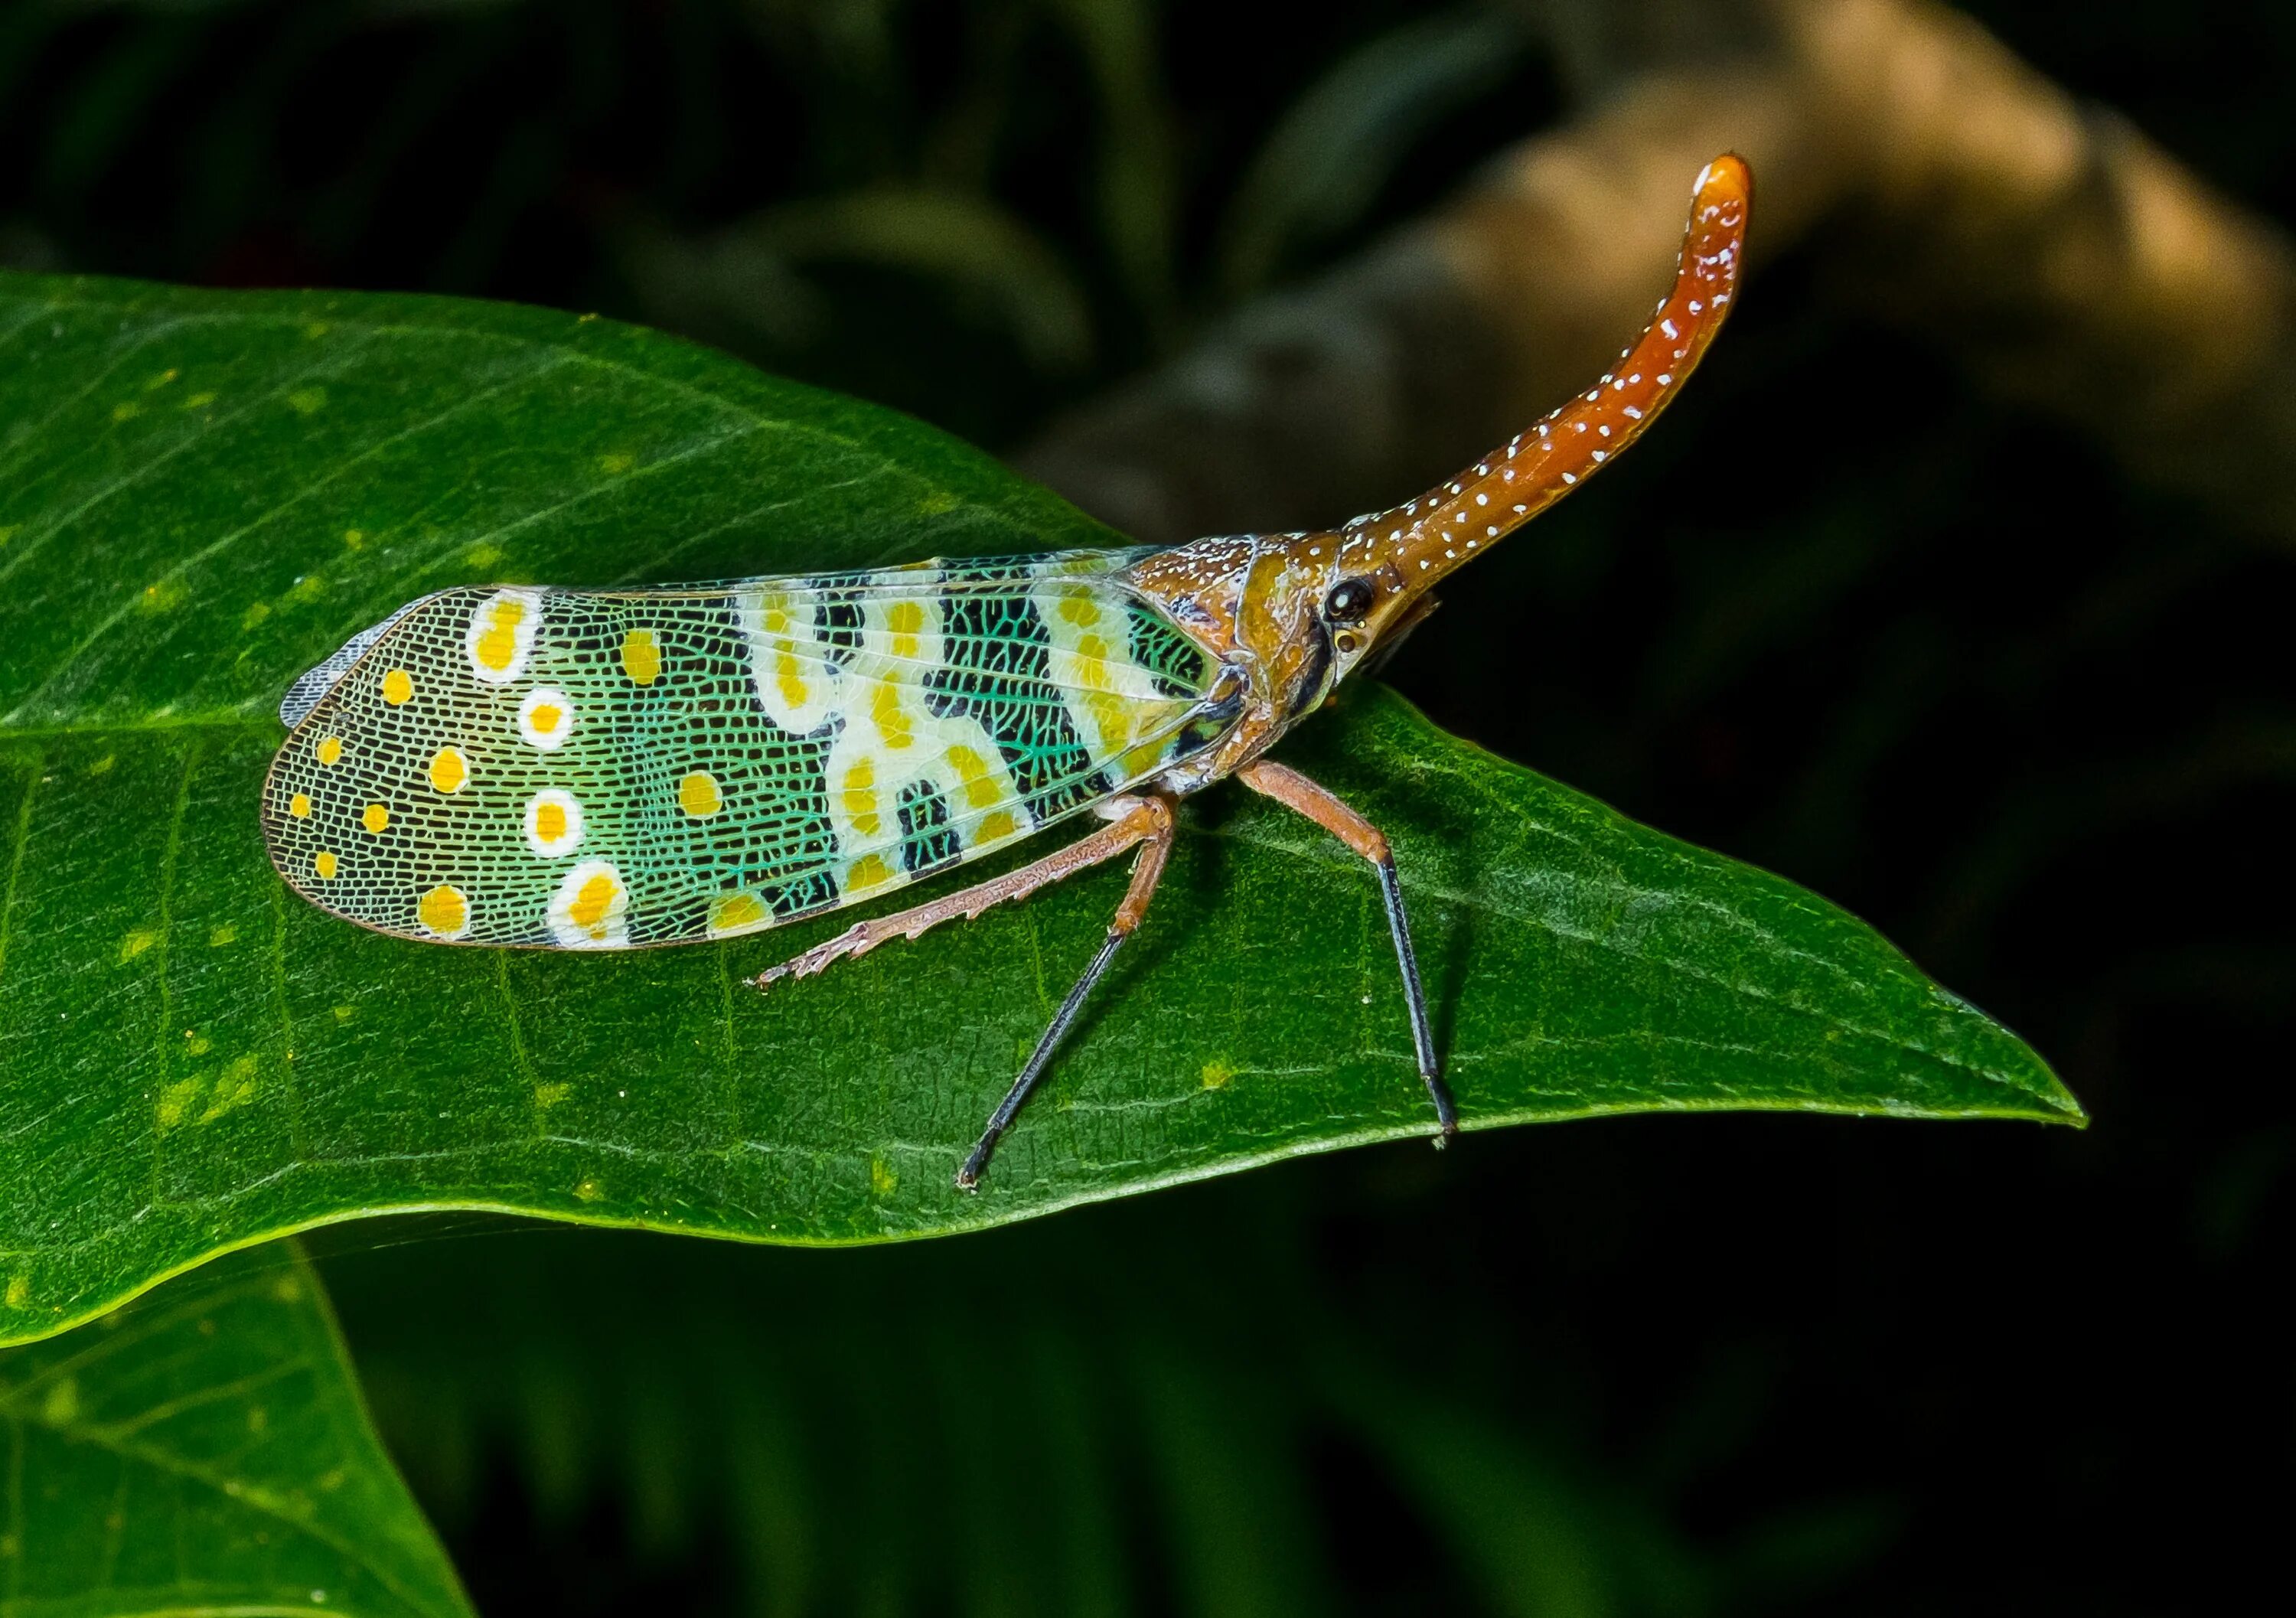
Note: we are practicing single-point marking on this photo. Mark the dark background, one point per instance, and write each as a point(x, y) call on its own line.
point(1933, 656)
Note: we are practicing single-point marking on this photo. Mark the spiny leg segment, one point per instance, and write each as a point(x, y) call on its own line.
point(1146, 822)
point(1296, 791)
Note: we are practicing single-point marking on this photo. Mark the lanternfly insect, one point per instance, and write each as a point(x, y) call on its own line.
point(613, 769)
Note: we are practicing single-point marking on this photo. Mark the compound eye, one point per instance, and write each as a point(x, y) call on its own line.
point(1349, 602)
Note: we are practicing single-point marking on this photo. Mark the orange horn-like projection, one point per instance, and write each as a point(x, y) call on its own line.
point(1427, 538)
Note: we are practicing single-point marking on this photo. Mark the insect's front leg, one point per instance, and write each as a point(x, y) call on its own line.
point(1296, 791)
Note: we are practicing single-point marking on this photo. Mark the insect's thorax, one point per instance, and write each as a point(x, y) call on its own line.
point(1250, 604)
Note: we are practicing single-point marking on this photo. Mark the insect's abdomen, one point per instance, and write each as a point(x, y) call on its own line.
point(520, 766)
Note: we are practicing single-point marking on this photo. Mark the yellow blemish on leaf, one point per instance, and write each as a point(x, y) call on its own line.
point(8, 531)
point(103, 766)
point(483, 554)
point(861, 798)
point(257, 1418)
point(175, 1100)
point(307, 401)
point(443, 909)
point(224, 936)
point(316, 330)
point(136, 942)
point(866, 872)
point(233, 1089)
point(611, 465)
point(447, 770)
point(882, 1177)
point(939, 502)
point(1081, 610)
point(330, 749)
point(354, 539)
point(164, 595)
point(896, 726)
point(550, 821)
point(732, 912)
point(300, 806)
point(199, 401)
point(641, 657)
point(588, 910)
point(287, 1289)
point(344, 1014)
point(398, 686)
point(196, 1044)
point(324, 865)
point(310, 586)
point(20, 1290)
point(125, 410)
point(375, 818)
point(497, 644)
point(61, 1408)
point(548, 1096)
point(589, 1190)
point(995, 828)
point(697, 795)
point(1216, 1074)
point(254, 615)
point(162, 380)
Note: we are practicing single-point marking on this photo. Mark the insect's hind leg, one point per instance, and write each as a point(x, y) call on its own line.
point(1134, 820)
point(1155, 849)
point(1296, 791)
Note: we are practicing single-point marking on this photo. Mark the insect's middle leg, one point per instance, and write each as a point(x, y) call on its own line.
point(1147, 871)
point(1296, 791)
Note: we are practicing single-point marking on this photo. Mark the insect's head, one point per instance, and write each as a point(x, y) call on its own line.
point(1362, 586)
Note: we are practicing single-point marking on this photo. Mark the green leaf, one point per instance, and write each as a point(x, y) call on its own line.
point(201, 494)
point(204, 1449)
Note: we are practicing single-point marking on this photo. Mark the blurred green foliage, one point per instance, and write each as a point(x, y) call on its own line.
point(1935, 659)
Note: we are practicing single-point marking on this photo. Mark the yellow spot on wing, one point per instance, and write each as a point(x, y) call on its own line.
point(448, 771)
point(735, 913)
point(861, 798)
point(498, 645)
point(983, 789)
point(995, 828)
point(641, 657)
point(787, 674)
point(324, 865)
point(588, 910)
point(300, 806)
point(375, 818)
point(906, 621)
point(697, 795)
point(1080, 609)
point(331, 748)
point(550, 821)
point(398, 686)
point(885, 708)
point(443, 910)
point(867, 872)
